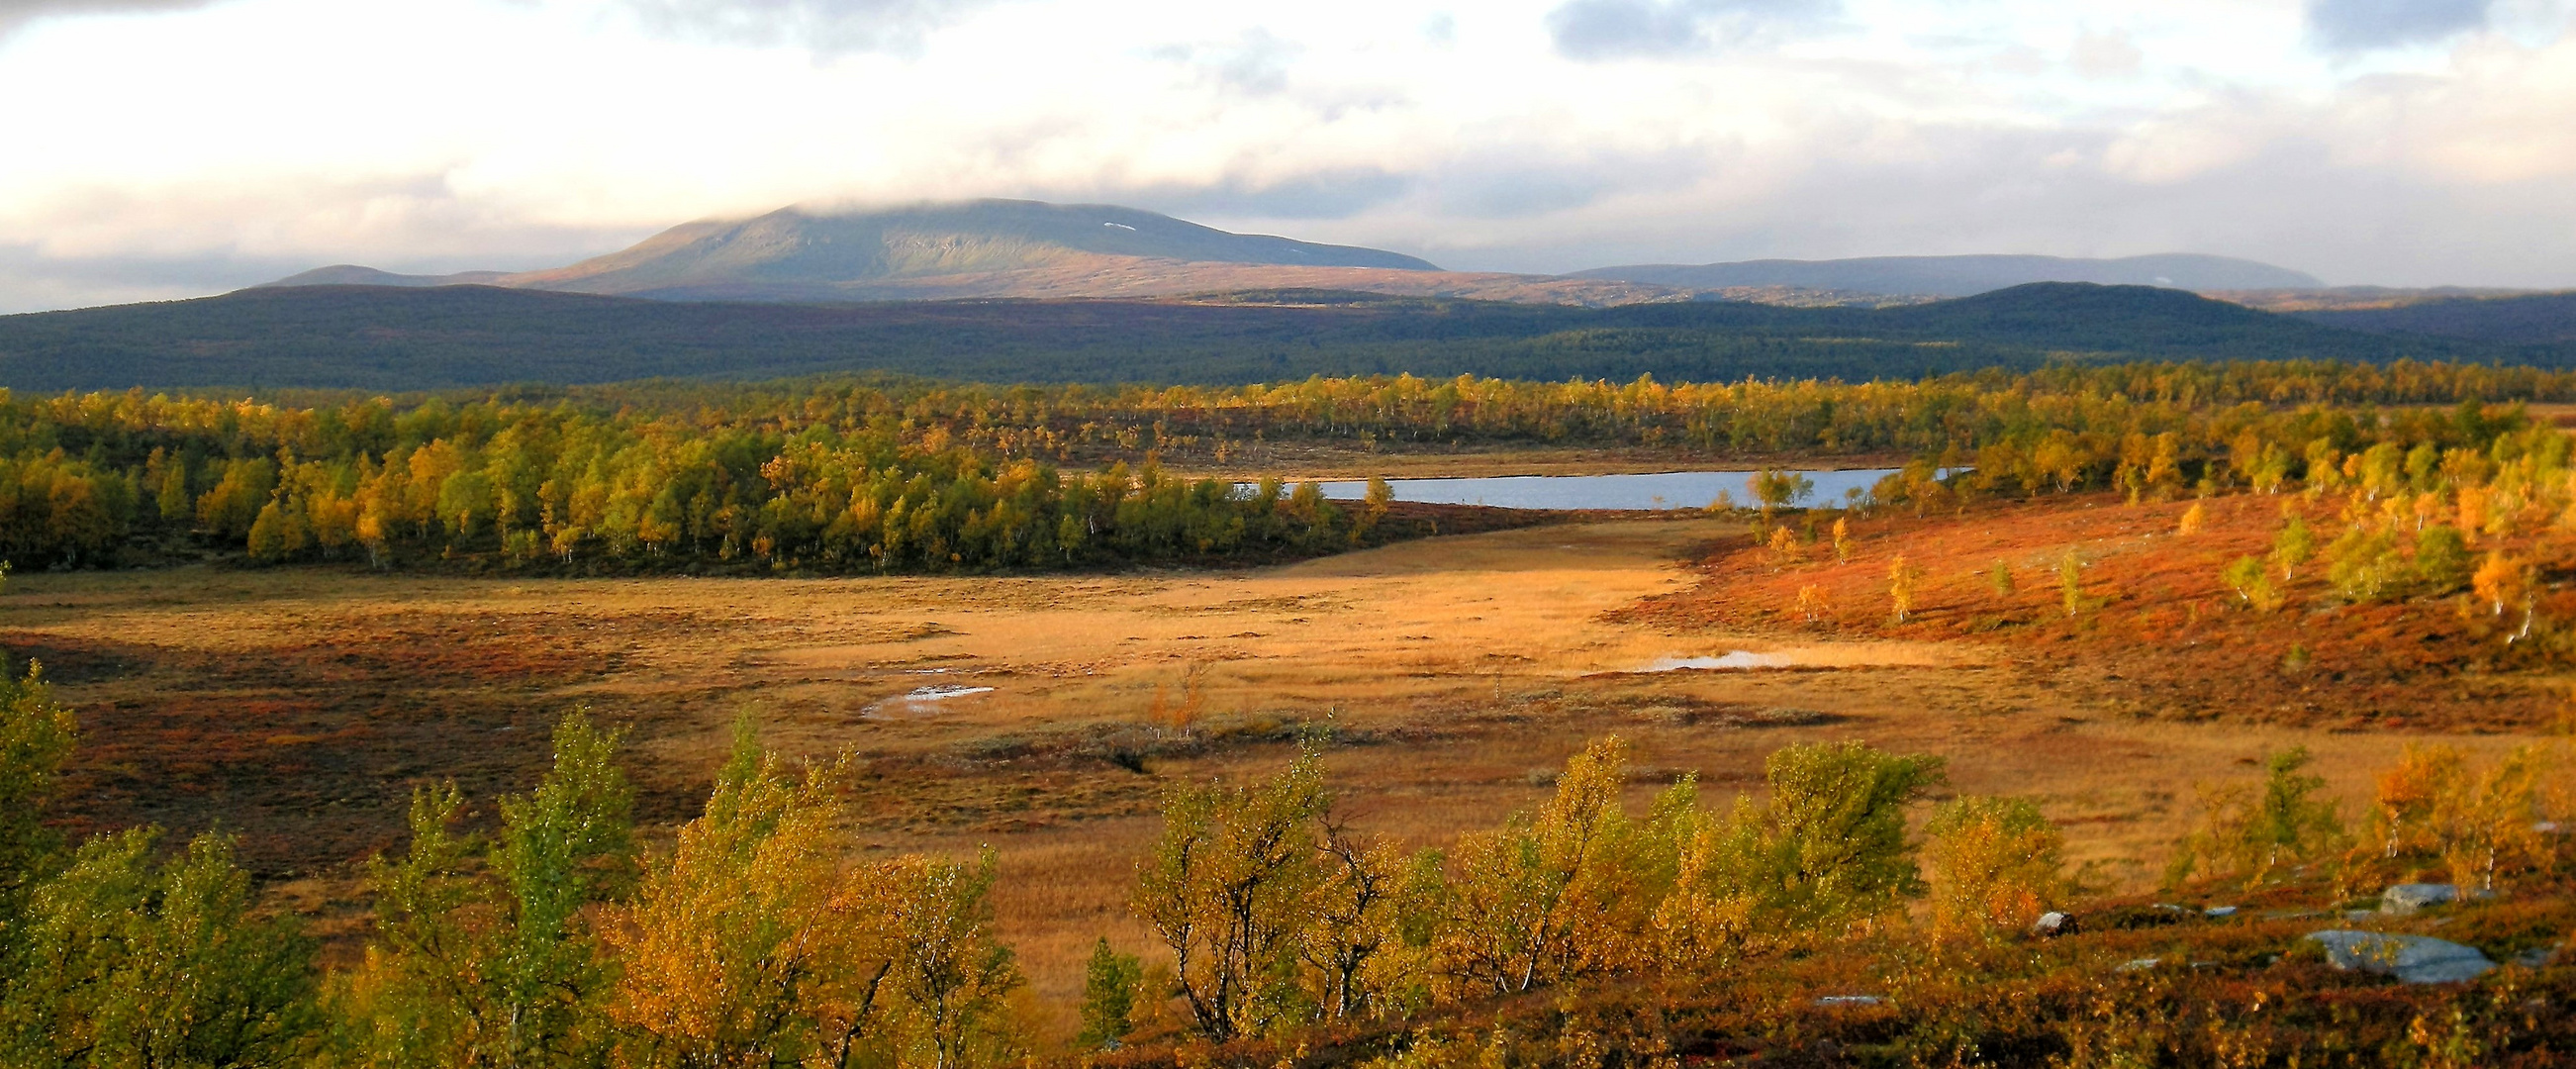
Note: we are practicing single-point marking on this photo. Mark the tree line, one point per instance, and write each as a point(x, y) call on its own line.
point(848, 476)
point(83, 478)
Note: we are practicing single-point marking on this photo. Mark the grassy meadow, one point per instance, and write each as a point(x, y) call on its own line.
point(299, 707)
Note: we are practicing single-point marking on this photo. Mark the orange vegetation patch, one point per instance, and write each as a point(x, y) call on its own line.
point(2155, 631)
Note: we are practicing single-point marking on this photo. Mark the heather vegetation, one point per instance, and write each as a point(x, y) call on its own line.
point(1834, 911)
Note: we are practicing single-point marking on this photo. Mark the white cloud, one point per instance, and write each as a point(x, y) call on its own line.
point(1619, 29)
point(826, 26)
point(2106, 55)
point(16, 13)
point(510, 133)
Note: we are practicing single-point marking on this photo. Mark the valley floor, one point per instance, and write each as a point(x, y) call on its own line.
point(1042, 715)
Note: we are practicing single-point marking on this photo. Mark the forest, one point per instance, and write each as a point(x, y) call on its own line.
point(2533, 319)
point(842, 477)
point(382, 339)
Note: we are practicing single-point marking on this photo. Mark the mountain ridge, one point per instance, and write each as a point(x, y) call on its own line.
point(1022, 248)
point(1963, 276)
point(989, 248)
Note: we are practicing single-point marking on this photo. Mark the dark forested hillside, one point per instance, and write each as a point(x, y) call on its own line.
point(377, 338)
point(1959, 276)
point(2535, 319)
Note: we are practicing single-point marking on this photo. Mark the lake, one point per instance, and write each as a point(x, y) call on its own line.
point(1664, 490)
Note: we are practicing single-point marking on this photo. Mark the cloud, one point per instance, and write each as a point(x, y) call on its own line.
point(32, 281)
point(1334, 194)
point(2106, 55)
point(16, 13)
point(2018, 126)
point(2361, 25)
point(1593, 30)
point(1254, 63)
point(825, 26)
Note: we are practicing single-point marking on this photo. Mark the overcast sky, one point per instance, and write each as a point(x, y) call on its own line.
point(161, 148)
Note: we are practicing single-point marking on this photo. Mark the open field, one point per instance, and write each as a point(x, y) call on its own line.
point(299, 706)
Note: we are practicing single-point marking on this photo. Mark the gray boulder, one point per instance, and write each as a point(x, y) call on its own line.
point(2413, 959)
point(2404, 898)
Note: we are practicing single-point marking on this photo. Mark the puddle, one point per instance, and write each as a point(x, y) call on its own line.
point(1736, 659)
point(919, 701)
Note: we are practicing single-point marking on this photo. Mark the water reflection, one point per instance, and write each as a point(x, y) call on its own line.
point(1665, 490)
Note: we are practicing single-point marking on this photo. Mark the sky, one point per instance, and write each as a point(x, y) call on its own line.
point(152, 149)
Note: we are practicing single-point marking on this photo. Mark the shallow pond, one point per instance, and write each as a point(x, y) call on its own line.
point(1664, 490)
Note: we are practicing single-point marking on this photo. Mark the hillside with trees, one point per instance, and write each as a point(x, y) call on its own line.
point(2525, 319)
point(395, 339)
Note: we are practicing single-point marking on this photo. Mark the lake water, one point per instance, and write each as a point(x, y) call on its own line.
point(1665, 490)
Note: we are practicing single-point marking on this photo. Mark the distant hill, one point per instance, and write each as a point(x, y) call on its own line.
point(408, 338)
point(1961, 276)
point(354, 275)
point(992, 248)
point(2535, 319)
point(2343, 298)
point(2084, 317)
point(1030, 249)
point(803, 247)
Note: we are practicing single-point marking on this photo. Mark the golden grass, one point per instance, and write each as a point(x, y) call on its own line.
point(1465, 668)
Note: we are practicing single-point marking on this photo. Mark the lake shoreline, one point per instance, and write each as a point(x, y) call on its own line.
point(1668, 491)
point(1295, 462)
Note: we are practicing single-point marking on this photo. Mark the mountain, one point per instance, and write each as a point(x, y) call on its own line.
point(801, 248)
point(413, 338)
point(993, 248)
point(1029, 249)
point(2533, 319)
point(1961, 276)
